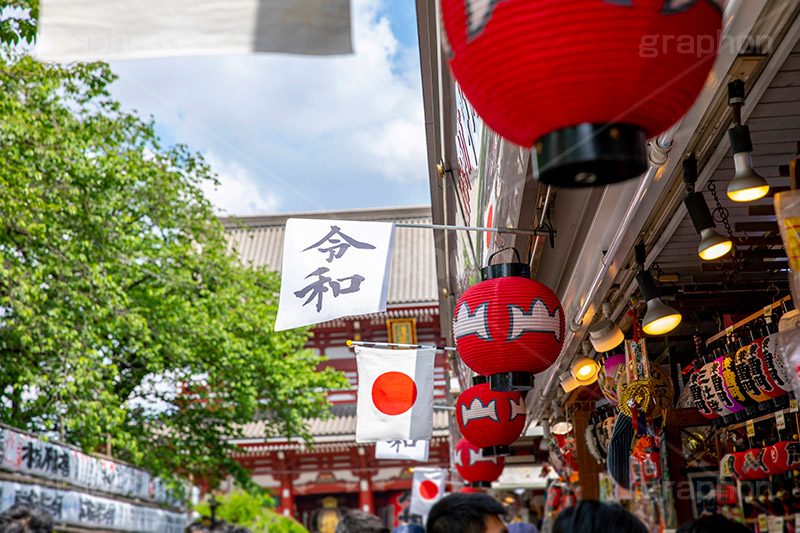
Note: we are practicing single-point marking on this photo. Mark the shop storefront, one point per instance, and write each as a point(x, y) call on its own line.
point(666, 380)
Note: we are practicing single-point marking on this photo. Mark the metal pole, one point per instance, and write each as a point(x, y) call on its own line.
point(396, 345)
point(472, 228)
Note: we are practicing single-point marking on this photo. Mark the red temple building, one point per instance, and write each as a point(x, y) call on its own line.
point(311, 484)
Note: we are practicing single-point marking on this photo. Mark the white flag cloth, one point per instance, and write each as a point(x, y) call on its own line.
point(426, 489)
point(395, 394)
point(410, 450)
point(333, 268)
point(105, 30)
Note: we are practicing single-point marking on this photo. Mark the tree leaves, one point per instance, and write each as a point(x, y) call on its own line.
point(124, 319)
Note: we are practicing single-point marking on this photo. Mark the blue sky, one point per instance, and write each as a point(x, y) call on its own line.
point(296, 133)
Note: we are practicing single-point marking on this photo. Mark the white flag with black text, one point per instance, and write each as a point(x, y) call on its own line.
point(395, 394)
point(409, 450)
point(105, 30)
point(333, 268)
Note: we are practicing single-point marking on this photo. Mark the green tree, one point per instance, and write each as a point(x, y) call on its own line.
point(124, 319)
point(252, 510)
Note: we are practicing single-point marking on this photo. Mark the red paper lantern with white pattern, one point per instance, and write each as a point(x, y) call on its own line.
point(477, 470)
point(491, 419)
point(782, 457)
point(508, 327)
point(586, 81)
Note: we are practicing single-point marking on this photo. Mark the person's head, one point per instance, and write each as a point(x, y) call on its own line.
point(466, 513)
point(712, 524)
point(24, 519)
point(360, 522)
point(591, 516)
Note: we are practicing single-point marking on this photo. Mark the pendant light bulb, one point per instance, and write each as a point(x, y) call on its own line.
point(604, 334)
point(560, 424)
point(747, 185)
point(585, 370)
point(659, 318)
point(713, 245)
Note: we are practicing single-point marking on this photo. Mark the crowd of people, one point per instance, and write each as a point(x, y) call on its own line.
point(456, 513)
point(480, 513)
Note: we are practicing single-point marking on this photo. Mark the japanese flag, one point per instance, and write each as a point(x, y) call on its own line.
point(410, 450)
point(395, 394)
point(427, 489)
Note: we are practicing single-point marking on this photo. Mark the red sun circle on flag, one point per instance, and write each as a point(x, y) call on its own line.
point(428, 490)
point(394, 393)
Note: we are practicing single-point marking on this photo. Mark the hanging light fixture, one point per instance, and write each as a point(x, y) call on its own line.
point(659, 318)
point(560, 426)
point(747, 185)
point(544, 445)
point(604, 334)
point(585, 92)
point(712, 244)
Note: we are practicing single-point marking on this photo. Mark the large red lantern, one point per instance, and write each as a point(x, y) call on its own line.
point(477, 470)
point(586, 81)
point(782, 457)
point(750, 465)
point(508, 327)
point(491, 419)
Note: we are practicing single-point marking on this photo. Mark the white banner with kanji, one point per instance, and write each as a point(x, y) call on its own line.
point(407, 450)
point(333, 268)
point(426, 489)
point(105, 30)
point(395, 394)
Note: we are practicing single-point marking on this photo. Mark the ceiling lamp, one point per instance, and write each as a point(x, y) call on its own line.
point(604, 334)
point(560, 426)
point(544, 445)
point(659, 318)
point(712, 244)
point(585, 370)
point(586, 81)
point(508, 327)
point(747, 185)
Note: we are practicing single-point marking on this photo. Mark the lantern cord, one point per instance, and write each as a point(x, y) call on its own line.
point(365, 344)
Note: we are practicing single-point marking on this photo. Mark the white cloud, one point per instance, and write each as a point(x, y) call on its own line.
point(238, 193)
point(316, 132)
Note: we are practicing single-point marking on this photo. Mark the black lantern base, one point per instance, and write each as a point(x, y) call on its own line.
point(491, 451)
point(478, 380)
point(480, 484)
point(592, 155)
point(511, 381)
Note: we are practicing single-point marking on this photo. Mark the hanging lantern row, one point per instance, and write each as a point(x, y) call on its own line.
point(586, 82)
point(508, 327)
point(743, 378)
point(491, 420)
point(477, 470)
point(760, 463)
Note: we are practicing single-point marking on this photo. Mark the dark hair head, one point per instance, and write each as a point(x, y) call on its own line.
point(360, 522)
point(591, 516)
point(25, 519)
point(462, 513)
point(712, 524)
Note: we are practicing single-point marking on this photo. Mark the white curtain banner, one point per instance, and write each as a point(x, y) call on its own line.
point(395, 394)
point(409, 450)
point(331, 269)
point(106, 30)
